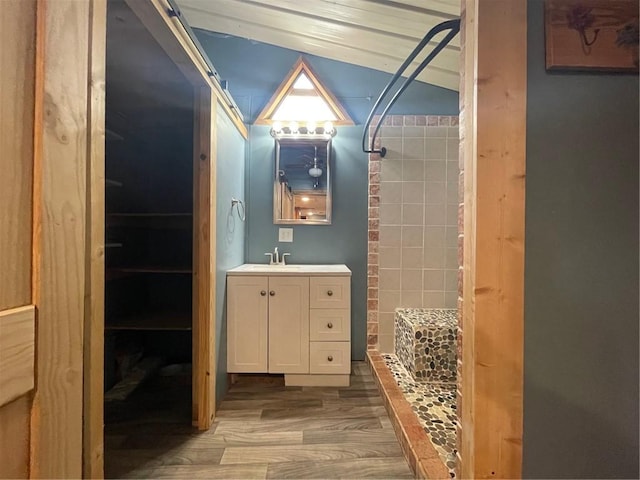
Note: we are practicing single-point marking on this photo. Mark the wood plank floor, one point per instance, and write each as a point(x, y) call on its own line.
point(262, 430)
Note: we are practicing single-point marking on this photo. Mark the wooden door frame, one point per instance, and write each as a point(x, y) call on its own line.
point(207, 99)
point(493, 146)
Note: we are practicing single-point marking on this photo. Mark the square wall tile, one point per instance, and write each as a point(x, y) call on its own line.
point(433, 257)
point(452, 193)
point(432, 299)
point(451, 280)
point(450, 299)
point(451, 261)
point(412, 236)
point(391, 169)
point(390, 236)
point(413, 214)
point(440, 132)
point(435, 193)
point(411, 257)
point(435, 171)
point(433, 279)
point(435, 149)
point(411, 279)
point(434, 237)
point(414, 132)
point(386, 323)
point(389, 131)
point(410, 299)
point(385, 343)
point(389, 257)
point(453, 147)
point(413, 148)
point(413, 170)
point(389, 279)
point(452, 214)
point(413, 192)
point(390, 214)
point(389, 300)
point(390, 192)
point(434, 214)
point(453, 172)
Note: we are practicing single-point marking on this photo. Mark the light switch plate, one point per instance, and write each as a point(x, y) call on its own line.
point(285, 234)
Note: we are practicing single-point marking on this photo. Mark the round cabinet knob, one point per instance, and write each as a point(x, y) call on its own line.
point(330, 358)
point(330, 292)
point(263, 293)
point(329, 325)
point(272, 293)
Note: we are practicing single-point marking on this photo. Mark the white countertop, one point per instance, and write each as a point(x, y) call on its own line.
point(290, 270)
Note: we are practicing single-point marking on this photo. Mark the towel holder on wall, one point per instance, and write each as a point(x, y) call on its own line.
point(239, 204)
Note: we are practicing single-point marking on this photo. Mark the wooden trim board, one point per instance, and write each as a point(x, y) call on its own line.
point(93, 408)
point(59, 248)
point(204, 260)
point(17, 352)
point(495, 89)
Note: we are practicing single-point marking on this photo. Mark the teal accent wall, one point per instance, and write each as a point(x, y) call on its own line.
point(581, 271)
point(230, 230)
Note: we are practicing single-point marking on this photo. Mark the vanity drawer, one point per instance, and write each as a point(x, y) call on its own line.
point(331, 324)
point(330, 292)
point(330, 357)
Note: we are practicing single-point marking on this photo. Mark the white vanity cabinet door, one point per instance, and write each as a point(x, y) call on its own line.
point(288, 324)
point(247, 310)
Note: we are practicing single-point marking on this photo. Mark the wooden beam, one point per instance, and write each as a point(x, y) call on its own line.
point(93, 402)
point(204, 250)
point(56, 421)
point(17, 352)
point(17, 28)
point(175, 42)
point(495, 152)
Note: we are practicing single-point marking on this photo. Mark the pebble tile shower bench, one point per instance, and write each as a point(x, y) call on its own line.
point(424, 367)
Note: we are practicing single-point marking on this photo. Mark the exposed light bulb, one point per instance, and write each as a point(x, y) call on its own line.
point(328, 128)
point(277, 127)
point(293, 126)
point(311, 127)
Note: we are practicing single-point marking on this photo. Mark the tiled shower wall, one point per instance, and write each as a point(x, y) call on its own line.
point(413, 221)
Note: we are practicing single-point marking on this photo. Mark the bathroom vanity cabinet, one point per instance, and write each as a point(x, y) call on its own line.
point(293, 320)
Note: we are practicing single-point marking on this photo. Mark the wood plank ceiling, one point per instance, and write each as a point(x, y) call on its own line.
point(377, 34)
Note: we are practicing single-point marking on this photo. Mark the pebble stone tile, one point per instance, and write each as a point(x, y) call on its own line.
point(435, 406)
point(425, 343)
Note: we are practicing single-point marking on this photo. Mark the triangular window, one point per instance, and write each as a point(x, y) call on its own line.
point(302, 98)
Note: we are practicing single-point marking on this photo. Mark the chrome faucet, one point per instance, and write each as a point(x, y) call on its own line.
point(275, 258)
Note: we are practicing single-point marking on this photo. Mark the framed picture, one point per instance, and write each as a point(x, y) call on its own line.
point(592, 35)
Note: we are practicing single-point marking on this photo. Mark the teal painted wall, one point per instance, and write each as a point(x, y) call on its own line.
point(581, 272)
point(230, 230)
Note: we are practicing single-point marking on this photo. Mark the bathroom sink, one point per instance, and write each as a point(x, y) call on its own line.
point(299, 269)
point(275, 268)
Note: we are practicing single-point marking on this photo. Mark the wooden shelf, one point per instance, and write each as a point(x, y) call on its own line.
point(112, 183)
point(113, 273)
point(150, 220)
point(151, 321)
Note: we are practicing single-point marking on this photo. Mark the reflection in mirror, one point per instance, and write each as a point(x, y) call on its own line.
point(302, 187)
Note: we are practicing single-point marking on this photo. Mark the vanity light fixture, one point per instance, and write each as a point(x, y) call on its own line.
point(302, 107)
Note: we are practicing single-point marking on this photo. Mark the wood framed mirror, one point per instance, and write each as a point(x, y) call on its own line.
point(302, 182)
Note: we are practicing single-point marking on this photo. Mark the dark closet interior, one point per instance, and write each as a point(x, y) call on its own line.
point(149, 231)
